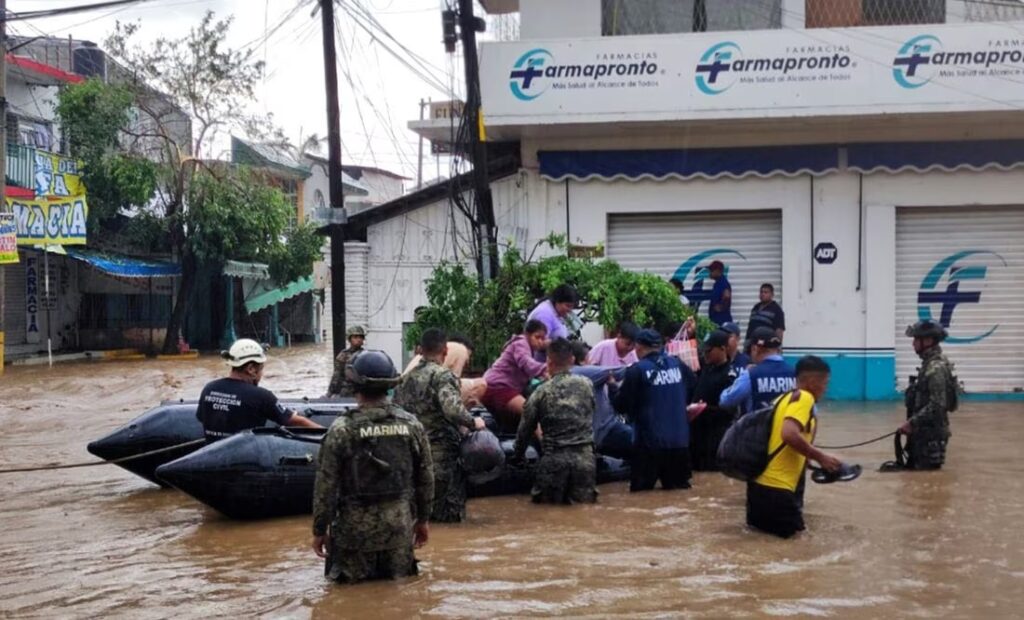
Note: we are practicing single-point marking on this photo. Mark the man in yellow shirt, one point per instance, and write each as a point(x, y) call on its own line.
point(775, 498)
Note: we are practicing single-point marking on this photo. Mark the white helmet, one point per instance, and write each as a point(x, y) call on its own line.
point(243, 351)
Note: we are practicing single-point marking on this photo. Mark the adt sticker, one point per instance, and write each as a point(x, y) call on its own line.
point(826, 253)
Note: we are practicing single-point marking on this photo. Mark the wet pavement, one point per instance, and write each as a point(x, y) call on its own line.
point(99, 542)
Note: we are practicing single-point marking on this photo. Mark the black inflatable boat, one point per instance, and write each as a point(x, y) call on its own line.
point(270, 472)
point(173, 423)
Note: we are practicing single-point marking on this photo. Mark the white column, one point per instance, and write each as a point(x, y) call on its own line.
point(793, 14)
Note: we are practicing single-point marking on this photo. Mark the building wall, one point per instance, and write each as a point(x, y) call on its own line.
point(546, 19)
point(404, 251)
point(826, 313)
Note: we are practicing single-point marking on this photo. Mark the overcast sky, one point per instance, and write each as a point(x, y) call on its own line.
point(294, 86)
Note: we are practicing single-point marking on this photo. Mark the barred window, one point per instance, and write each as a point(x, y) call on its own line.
point(633, 17)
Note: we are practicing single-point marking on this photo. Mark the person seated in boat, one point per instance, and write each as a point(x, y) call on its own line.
point(511, 374)
point(236, 403)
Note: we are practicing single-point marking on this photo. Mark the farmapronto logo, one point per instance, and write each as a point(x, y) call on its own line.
point(724, 65)
point(537, 71)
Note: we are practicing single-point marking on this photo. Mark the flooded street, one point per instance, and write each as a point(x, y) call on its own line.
point(99, 542)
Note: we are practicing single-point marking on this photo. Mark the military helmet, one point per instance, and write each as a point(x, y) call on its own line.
point(927, 329)
point(372, 369)
point(355, 330)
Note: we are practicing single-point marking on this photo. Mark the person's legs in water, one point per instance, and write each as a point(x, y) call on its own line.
point(774, 511)
point(617, 442)
point(674, 468)
point(643, 471)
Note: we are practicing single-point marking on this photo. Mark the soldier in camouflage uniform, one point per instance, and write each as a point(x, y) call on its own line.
point(431, 392)
point(374, 486)
point(929, 398)
point(340, 385)
point(564, 409)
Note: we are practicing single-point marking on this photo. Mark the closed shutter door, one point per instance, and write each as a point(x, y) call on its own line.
point(749, 243)
point(965, 268)
point(14, 302)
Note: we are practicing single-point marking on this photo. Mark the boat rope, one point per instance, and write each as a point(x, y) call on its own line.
point(124, 459)
point(857, 445)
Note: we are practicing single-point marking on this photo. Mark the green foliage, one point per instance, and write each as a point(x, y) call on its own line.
point(491, 314)
point(92, 114)
point(294, 257)
point(235, 216)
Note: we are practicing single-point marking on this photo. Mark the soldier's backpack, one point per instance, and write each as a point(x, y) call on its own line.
point(743, 451)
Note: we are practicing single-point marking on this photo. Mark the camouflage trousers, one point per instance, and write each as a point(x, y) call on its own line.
point(566, 476)
point(350, 566)
point(926, 448)
point(449, 484)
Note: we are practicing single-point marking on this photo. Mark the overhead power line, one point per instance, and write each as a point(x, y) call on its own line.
point(68, 10)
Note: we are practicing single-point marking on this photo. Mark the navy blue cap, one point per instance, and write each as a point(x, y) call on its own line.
point(717, 338)
point(765, 337)
point(731, 328)
point(648, 338)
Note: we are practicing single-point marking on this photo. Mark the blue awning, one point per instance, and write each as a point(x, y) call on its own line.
point(924, 156)
point(125, 266)
point(684, 164)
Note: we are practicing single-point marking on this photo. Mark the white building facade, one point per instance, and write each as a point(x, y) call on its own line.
point(872, 174)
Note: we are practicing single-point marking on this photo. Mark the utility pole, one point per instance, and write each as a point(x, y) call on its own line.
point(419, 160)
point(3, 166)
point(468, 26)
point(336, 189)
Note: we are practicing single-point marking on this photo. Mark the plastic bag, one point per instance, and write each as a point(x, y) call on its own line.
point(481, 456)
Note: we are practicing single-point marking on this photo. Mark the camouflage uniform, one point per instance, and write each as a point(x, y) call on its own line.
point(929, 399)
point(373, 482)
point(340, 385)
point(564, 408)
point(431, 392)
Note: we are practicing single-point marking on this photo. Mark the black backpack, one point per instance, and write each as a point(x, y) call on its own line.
point(743, 452)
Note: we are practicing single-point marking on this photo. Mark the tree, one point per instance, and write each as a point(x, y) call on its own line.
point(92, 115)
point(491, 314)
point(213, 84)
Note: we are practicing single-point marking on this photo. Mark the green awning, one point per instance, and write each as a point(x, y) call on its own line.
point(265, 299)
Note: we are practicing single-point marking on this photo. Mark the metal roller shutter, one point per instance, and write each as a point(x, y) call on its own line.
point(748, 242)
point(964, 267)
point(14, 302)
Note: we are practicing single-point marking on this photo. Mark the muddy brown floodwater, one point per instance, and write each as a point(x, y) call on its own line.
point(99, 542)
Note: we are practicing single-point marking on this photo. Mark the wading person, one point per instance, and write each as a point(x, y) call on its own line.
point(340, 386)
point(929, 398)
point(653, 397)
point(774, 499)
point(564, 409)
point(720, 310)
point(375, 485)
point(709, 426)
point(430, 391)
point(770, 377)
point(767, 313)
point(738, 360)
point(511, 373)
point(236, 403)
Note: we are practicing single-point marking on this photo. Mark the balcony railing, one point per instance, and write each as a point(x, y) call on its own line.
point(21, 162)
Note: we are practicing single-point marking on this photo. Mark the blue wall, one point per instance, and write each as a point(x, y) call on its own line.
point(857, 374)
